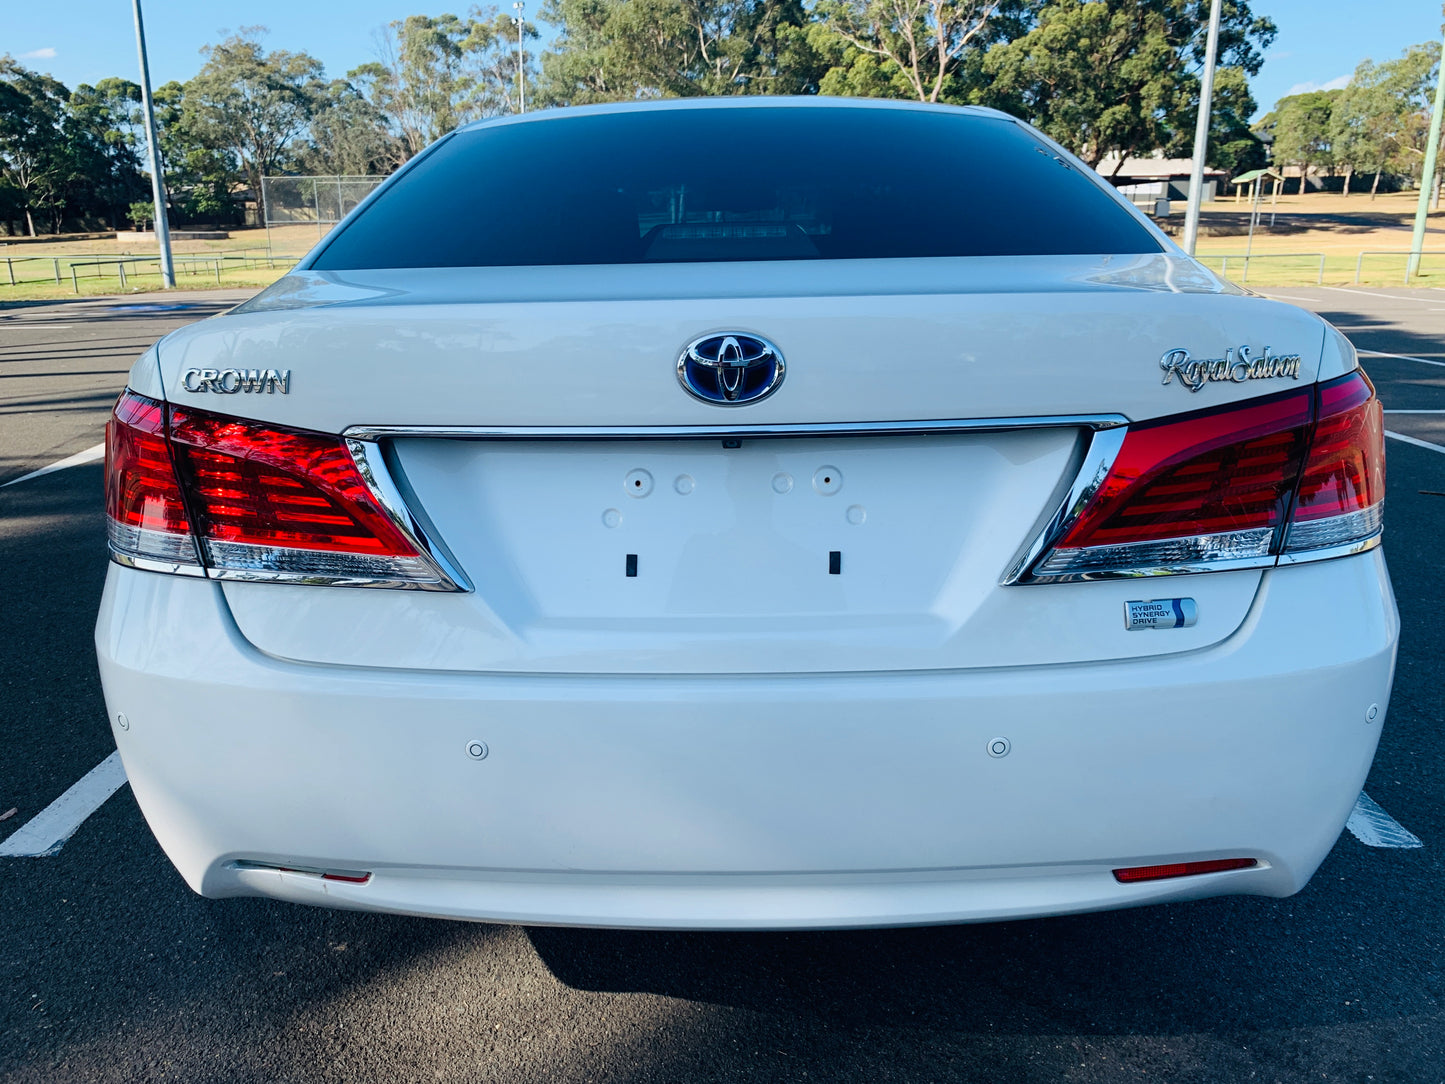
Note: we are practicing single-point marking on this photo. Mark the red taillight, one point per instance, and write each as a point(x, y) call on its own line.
point(264, 502)
point(1134, 874)
point(1342, 490)
point(1214, 489)
point(145, 514)
point(261, 485)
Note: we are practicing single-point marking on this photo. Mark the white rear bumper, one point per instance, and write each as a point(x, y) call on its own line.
point(775, 801)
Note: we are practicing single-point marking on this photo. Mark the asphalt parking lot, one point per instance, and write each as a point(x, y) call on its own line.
point(112, 970)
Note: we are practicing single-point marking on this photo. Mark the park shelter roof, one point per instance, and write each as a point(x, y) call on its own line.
point(1149, 169)
point(1254, 174)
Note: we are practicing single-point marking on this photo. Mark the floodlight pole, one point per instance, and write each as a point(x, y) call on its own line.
point(1427, 175)
point(1201, 131)
point(521, 61)
point(158, 184)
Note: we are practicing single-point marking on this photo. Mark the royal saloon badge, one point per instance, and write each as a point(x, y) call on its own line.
point(1237, 366)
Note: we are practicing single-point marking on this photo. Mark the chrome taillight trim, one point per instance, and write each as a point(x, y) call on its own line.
point(146, 564)
point(371, 464)
point(1099, 456)
point(1327, 553)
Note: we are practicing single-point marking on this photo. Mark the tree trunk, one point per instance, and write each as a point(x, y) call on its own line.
point(1302, 171)
point(1349, 175)
point(1376, 186)
point(29, 222)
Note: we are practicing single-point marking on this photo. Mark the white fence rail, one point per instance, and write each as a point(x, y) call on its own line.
point(1243, 259)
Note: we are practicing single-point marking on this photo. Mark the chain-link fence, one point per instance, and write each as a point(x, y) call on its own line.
point(318, 202)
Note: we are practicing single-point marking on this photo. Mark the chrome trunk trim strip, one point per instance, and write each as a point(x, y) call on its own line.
point(372, 433)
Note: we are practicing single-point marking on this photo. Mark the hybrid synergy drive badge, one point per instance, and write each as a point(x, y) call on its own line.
point(1160, 613)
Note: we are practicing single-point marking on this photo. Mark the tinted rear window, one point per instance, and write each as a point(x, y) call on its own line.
point(735, 184)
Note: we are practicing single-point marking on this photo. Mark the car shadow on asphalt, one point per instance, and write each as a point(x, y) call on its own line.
point(1321, 959)
point(111, 309)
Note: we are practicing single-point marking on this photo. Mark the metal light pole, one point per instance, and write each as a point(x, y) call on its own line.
point(1201, 131)
point(521, 61)
point(158, 184)
point(1427, 175)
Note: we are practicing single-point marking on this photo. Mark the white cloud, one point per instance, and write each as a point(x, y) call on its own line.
point(48, 53)
point(1339, 82)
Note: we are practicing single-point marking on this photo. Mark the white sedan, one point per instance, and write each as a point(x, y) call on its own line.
point(748, 513)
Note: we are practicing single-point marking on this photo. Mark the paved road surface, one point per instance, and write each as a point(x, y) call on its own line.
point(111, 970)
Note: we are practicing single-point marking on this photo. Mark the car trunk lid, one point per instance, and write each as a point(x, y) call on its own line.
point(611, 523)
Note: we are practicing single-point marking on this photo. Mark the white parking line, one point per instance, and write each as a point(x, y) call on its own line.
point(45, 833)
point(1398, 357)
point(1392, 297)
point(90, 455)
point(1416, 441)
point(1310, 301)
point(1373, 827)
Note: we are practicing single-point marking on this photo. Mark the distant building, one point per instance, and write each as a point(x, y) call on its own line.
point(1144, 180)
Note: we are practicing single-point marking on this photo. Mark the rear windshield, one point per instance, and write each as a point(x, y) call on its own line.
point(702, 185)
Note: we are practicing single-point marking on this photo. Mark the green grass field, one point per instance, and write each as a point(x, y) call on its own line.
point(1337, 269)
point(47, 270)
point(1311, 227)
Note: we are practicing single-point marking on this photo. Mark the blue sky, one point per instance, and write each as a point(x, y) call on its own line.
point(81, 41)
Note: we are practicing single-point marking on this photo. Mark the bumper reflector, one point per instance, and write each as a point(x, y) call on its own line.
point(1134, 874)
point(347, 876)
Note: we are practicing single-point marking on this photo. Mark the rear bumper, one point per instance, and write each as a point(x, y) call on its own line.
point(752, 802)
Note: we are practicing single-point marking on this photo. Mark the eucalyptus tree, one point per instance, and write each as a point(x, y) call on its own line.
point(35, 160)
point(348, 135)
point(620, 50)
point(103, 130)
point(1303, 130)
point(1409, 80)
point(916, 46)
point(1121, 77)
point(200, 174)
point(255, 105)
point(436, 72)
point(1382, 118)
